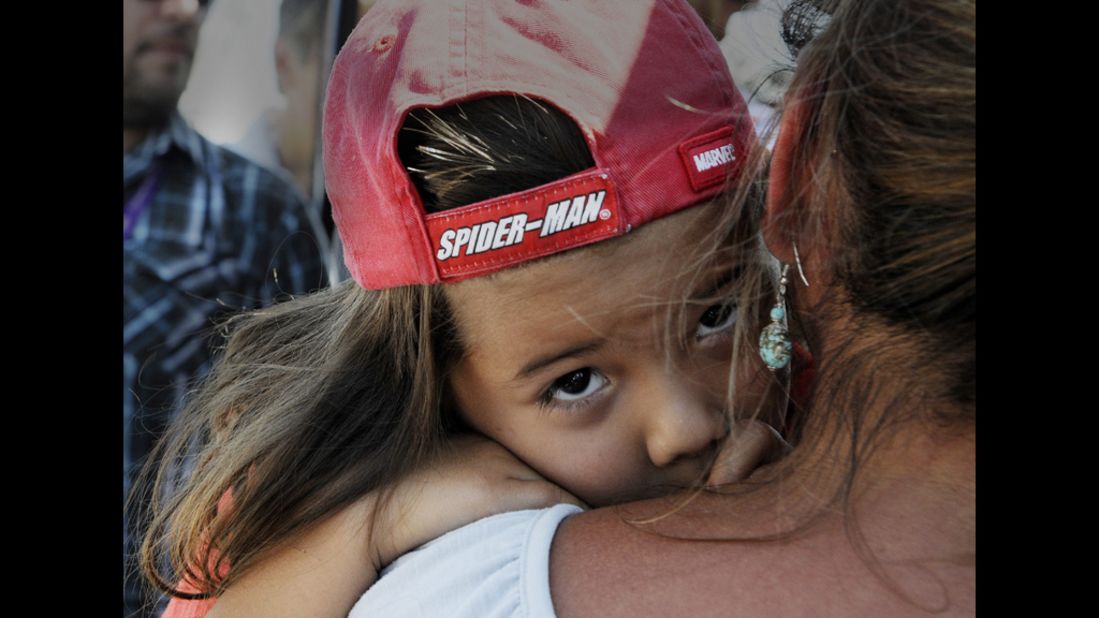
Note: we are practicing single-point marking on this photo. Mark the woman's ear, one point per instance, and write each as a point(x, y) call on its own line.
point(779, 221)
point(784, 222)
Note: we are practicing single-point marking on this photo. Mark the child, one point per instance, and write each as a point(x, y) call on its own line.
point(464, 143)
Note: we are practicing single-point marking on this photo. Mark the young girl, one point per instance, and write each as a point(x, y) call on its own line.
point(466, 144)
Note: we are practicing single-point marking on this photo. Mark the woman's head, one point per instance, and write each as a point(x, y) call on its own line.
point(872, 193)
point(874, 175)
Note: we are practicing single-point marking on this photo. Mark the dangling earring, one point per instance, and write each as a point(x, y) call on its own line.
point(774, 342)
point(797, 260)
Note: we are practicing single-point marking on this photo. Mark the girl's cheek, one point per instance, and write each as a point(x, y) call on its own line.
point(616, 477)
point(573, 468)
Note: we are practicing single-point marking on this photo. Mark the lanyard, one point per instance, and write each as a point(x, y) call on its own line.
point(139, 202)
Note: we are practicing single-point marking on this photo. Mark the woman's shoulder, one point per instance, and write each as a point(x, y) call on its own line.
point(663, 557)
point(496, 566)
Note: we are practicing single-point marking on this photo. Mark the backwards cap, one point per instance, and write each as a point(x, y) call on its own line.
point(643, 79)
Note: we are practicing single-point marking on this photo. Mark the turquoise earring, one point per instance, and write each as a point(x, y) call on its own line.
point(774, 341)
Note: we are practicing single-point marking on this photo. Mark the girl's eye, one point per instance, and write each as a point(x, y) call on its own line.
point(716, 319)
point(575, 386)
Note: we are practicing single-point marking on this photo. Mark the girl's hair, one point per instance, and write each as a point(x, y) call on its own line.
point(321, 400)
point(313, 403)
point(489, 147)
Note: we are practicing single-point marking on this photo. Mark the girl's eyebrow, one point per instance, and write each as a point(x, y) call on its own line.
point(545, 361)
point(725, 278)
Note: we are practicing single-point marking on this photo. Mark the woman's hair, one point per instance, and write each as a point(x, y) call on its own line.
point(882, 176)
point(316, 402)
point(884, 173)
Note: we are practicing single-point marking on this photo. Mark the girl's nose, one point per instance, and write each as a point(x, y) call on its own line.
point(680, 421)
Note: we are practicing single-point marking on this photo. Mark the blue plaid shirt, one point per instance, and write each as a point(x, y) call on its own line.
point(220, 234)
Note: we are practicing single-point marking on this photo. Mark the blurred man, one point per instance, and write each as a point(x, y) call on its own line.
point(205, 232)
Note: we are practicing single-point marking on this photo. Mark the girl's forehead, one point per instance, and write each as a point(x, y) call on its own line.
point(614, 289)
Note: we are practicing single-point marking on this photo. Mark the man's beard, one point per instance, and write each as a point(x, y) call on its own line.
point(147, 106)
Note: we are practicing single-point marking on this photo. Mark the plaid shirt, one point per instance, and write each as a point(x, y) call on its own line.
point(220, 234)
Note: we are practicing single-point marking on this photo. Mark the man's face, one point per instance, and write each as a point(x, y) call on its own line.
point(158, 45)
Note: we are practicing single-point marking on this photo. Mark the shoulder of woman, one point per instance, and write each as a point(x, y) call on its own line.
point(643, 559)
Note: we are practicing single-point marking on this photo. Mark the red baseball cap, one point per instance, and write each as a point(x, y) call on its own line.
point(643, 79)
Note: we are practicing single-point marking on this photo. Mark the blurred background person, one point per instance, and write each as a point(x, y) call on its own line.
point(750, 36)
point(363, 7)
point(205, 232)
point(283, 139)
point(715, 13)
point(759, 59)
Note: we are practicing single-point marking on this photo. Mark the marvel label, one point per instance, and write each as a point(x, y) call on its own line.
point(709, 158)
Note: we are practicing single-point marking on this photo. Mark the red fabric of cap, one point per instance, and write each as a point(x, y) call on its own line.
point(516, 228)
point(643, 79)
